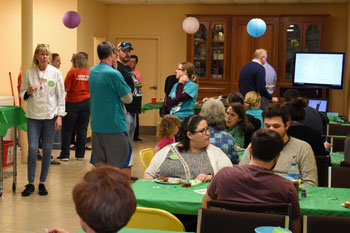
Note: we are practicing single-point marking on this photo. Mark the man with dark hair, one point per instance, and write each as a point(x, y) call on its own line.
point(276, 118)
point(252, 77)
point(255, 182)
point(108, 92)
point(313, 118)
point(103, 200)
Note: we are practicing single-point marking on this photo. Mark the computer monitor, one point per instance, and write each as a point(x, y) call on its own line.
point(319, 105)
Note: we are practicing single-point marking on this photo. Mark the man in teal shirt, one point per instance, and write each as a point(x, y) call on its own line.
point(108, 92)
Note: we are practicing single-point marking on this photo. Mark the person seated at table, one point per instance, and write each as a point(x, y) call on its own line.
point(236, 97)
point(252, 102)
point(298, 130)
point(103, 200)
point(169, 127)
point(255, 182)
point(213, 111)
point(183, 95)
point(237, 125)
point(276, 118)
point(203, 159)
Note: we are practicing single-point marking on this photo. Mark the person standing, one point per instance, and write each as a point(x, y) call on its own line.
point(252, 76)
point(108, 92)
point(270, 79)
point(132, 64)
point(43, 88)
point(78, 107)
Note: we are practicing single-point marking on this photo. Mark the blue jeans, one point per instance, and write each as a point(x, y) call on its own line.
point(47, 128)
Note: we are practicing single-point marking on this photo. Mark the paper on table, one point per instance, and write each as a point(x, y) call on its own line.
point(201, 191)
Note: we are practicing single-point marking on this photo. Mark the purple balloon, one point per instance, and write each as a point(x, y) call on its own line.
point(71, 19)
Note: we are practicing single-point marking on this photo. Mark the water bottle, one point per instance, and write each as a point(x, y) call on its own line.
point(294, 171)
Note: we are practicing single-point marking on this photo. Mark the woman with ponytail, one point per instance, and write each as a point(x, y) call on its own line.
point(183, 95)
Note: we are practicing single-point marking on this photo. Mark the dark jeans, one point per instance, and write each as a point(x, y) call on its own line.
point(78, 114)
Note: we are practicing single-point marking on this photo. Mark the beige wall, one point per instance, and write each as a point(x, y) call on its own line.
point(10, 46)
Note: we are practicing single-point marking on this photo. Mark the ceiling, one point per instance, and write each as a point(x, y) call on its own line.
point(208, 2)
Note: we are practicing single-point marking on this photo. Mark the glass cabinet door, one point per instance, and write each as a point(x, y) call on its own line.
point(293, 46)
point(217, 51)
point(312, 38)
point(200, 51)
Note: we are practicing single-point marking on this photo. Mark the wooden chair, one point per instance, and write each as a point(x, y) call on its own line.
point(216, 220)
point(339, 177)
point(320, 224)
point(156, 219)
point(146, 156)
point(322, 162)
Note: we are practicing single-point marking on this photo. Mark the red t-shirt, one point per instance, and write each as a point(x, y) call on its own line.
point(165, 141)
point(77, 85)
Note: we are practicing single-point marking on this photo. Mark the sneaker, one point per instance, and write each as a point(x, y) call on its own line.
point(28, 190)
point(65, 159)
point(55, 162)
point(138, 140)
point(42, 190)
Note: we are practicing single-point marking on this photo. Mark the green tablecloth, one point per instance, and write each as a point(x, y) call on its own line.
point(336, 158)
point(179, 200)
point(151, 106)
point(133, 230)
point(11, 116)
point(325, 201)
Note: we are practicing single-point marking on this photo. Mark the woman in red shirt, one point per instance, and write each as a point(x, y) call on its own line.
point(77, 107)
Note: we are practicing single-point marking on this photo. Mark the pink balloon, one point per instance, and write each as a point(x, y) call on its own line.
point(71, 19)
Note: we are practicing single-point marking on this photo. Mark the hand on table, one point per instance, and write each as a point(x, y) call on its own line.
point(204, 177)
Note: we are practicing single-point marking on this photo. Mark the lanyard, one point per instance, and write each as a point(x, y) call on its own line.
point(40, 79)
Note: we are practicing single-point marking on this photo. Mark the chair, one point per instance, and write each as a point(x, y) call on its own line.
point(322, 162)
point(320, 224)
point(215, 220)
point(156, 219)
point(146, 156)
point(339, 177)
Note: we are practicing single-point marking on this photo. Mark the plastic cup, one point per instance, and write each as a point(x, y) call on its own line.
point(154, 100)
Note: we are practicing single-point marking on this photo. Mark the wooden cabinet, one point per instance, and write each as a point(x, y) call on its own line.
point(298, 34)
point(222, 46)
point(209, 49)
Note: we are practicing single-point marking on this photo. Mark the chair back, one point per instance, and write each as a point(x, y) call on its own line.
point(339, 177)
point(319, 224)
point(157, 219)
point(322, 162)
point(338, 129)
point(146, 156)
point(216, 220)
point(267, 208)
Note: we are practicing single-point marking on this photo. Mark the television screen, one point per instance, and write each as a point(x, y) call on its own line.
point(319, 105)
point(319, 70)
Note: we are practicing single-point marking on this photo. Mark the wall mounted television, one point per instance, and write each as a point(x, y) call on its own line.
point(321, 69)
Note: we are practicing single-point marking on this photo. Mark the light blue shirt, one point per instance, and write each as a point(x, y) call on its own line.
point(270, 77)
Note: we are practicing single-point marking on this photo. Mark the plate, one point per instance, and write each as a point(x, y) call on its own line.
point(171, 180)
point(342, 204)
point(269, 229)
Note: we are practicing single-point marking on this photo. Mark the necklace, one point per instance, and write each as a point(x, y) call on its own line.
point(42, 77)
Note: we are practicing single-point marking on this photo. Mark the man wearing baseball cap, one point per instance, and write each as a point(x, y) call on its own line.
point(124, 53)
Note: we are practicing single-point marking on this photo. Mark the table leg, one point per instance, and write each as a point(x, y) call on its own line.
point(14, 184)
point(1, 168)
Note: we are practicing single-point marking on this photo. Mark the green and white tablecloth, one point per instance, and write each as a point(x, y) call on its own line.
point(133, 230)
point(151, 106)
point(12, 116)
point(179, 200)
point(336, 158)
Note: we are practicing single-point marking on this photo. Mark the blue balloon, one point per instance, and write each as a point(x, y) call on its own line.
point(256, 27)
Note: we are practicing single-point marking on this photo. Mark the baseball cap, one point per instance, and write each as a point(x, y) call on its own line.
point(124, 45)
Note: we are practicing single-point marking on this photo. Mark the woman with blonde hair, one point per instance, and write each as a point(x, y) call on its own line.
point(43, 88)
point(252, 103)
point(78, 107)
point(183, 95)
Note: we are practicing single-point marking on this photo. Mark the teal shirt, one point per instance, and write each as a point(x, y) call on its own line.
point(186, 108)
point(107, 86)
point(257, 113)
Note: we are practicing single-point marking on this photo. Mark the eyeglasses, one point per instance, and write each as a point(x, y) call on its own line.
point(180, 69)
point(202, 131)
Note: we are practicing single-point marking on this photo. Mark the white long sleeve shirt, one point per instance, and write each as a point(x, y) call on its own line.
point(48, 100)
